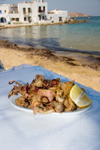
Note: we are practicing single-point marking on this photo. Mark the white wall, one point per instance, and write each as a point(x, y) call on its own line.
point(15, 16)
point(5, 8)
point(55, 17)
point(34, 7)
point(20, 11)
point(6, 17)
point(34, 15)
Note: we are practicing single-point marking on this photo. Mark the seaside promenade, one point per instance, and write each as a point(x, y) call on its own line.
point(15, 25)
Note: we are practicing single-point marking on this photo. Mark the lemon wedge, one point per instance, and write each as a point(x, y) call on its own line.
point(79, 97)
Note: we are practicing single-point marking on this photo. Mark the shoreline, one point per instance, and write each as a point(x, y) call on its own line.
point(15, 25)
point(74, 58)
point(72, 66)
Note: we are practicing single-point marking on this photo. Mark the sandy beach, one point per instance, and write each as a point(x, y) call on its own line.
point(68, 66)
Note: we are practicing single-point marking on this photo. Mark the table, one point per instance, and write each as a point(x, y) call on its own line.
point(20, 130)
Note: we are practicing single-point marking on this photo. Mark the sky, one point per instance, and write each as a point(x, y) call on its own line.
point(88, 7)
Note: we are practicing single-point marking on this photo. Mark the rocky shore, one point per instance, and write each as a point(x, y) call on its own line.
point(85, 70)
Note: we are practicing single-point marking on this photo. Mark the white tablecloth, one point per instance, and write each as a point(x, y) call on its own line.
point(20, 130)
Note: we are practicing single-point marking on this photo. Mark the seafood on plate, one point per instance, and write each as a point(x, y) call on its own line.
point(44, 96)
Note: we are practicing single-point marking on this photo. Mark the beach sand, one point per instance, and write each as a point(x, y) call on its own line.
point(84, 70)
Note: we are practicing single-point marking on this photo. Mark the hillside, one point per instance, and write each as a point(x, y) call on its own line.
point(77, 14)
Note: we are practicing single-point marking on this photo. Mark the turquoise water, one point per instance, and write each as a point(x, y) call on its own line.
point(83, 37)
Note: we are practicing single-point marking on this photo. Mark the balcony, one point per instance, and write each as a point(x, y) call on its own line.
point(41, 11)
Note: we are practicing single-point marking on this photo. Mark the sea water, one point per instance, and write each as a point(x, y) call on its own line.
point(80, 37)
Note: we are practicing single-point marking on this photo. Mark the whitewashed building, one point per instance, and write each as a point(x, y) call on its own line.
point(31, 12)
point(58, 15)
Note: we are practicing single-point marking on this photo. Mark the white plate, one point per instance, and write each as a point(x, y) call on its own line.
point(78, 110)
point(12, 101)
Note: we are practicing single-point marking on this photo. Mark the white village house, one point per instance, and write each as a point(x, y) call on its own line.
point(30, 12)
